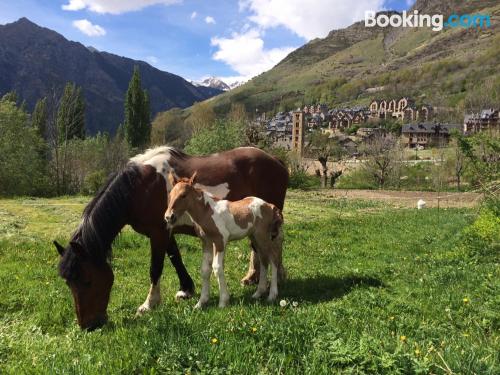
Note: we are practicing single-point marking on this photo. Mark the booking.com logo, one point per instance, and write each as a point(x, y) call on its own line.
point(435, 21)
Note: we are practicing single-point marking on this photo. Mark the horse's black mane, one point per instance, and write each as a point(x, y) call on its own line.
point(102, 220)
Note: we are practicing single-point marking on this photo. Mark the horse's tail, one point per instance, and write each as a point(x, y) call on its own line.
point(276, 223)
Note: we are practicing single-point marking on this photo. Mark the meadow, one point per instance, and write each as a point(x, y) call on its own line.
point(372, 288)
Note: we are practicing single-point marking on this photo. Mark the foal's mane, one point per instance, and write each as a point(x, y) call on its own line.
point(102, 220)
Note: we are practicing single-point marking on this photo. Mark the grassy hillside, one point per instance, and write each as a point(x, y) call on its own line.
point(449, 68)
point(406, 299)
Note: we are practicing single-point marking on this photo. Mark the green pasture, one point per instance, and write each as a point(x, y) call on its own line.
point(371, 289)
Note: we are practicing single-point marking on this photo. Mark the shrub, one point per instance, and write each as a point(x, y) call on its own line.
point(359, 178)
point(93, 181)
point(300, 179)
point(223, 135)
point(482, 237)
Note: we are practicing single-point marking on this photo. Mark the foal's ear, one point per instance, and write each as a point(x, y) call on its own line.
point(59, 248)
point(191, 180)
point(172, 179)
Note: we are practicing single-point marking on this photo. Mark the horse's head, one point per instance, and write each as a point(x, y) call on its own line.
point(182, 193)
point(90, 282)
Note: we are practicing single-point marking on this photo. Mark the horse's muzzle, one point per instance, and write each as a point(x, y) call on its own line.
point(171, 219)
point(96, 323)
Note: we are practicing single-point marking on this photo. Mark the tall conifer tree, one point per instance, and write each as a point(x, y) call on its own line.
point(137, 113)
point(71, 114)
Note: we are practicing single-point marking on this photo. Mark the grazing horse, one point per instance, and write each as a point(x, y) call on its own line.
point(218, 222)
point(138, 195)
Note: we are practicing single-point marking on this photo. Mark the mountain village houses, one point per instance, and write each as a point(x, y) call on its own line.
point(357, 124)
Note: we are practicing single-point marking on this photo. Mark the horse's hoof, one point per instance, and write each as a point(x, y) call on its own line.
point(257, 295)
point(200, 305)
point(223, 304)
point(250, 280)
point(271, 298)
point(182, 295)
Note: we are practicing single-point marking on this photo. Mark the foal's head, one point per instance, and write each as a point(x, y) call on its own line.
point(179, 198)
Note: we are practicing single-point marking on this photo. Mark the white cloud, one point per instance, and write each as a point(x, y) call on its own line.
point(210, 20)
point(86, 27)
point(245, 53)
point(114, 6)
point(308, 18)
point(152, 60)
point(193, 15)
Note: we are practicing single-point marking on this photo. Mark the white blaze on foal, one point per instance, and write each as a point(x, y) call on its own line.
point(219, 221)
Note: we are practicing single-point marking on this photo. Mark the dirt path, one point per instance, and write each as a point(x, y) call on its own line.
point(410, 198)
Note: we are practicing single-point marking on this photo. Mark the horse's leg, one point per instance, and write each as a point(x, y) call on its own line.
point(158, 245)
point(186, 283)
point(206, 271)
point(273, 290)
point(218, 268)
point(262, 285)
point(252, 276)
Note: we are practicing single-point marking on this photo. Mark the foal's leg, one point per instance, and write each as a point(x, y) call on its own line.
point(252, 275)
point(218, 268)
point(206, 270)
point(276, 251)
point(273, 290)
point(263, 263)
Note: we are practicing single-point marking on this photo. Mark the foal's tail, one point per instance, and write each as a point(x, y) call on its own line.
point(276, 223)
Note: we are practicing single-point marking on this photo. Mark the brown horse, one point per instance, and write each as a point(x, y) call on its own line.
point(137, 196)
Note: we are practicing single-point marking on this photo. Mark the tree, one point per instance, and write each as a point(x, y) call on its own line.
point(321, 147)
point(22, 169)
point(202, 117)
point(169, 128)
point(482, 152)
point(223, 135)
point(11, 96)
point(39, 117)
point(379, 152)
point(71, 114)
point(137, 113)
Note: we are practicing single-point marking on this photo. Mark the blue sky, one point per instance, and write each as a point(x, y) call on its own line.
point(234, 40)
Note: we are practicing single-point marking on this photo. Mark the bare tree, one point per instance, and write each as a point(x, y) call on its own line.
point(379, 152)
point(322, 147)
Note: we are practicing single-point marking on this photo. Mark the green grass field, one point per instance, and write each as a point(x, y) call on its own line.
point(371, 289)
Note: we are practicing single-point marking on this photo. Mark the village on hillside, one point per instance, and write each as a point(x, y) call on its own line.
point(352, 126)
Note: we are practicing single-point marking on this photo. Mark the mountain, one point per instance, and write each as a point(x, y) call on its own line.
point(35, 61)
point(351, 66)
point(213, 82)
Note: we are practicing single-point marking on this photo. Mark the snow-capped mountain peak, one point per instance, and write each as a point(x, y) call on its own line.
point(213, 82)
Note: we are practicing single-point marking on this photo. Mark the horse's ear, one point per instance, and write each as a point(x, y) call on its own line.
point(172, 179)
point(59, 248)
point(191, 180)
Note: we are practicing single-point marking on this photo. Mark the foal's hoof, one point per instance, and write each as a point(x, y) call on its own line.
point(143, 309)
point(182, 295)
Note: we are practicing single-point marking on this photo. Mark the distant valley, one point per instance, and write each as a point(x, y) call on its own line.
point(36, 61)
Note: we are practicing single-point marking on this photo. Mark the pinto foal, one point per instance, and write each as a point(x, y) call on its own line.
point(219, 221)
